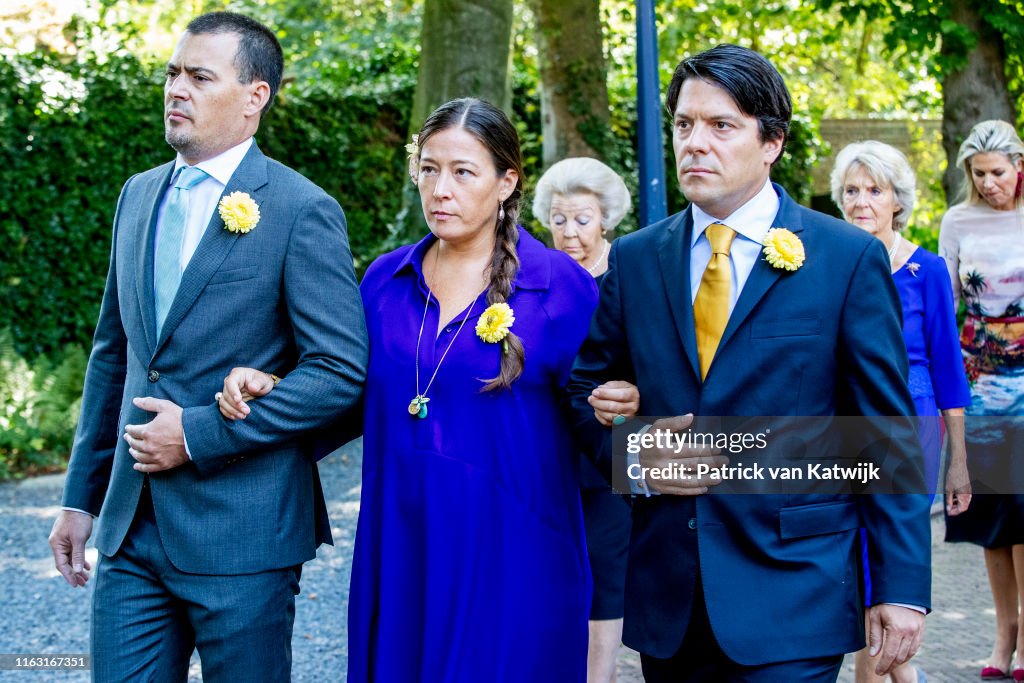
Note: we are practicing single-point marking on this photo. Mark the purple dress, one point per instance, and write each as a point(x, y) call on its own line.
point(470, 563)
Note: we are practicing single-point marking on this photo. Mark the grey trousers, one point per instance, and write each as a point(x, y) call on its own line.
point(147, 616)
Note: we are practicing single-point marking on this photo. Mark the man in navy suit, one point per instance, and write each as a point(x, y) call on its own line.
point(757, 588)
point(220, 258)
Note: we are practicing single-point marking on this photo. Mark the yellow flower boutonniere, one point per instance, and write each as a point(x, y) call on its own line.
point(495, 323)
point(783, 249)
point(239, 212)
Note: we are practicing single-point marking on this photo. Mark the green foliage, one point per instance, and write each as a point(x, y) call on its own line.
point(914, 28)
point(927, 158)
point(76, 129)
point(811, 48)
point(39, 405)
point(353, 147)
point(73, 132)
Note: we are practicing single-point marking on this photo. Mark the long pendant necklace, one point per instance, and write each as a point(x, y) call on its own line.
point(418, 405)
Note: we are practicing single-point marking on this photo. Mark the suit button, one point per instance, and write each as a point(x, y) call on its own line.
point(692, 523)
point(154, 375)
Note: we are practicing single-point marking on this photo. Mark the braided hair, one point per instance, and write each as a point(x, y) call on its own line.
point(492, 128)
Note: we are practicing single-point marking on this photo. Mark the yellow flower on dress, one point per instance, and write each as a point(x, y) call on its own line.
point(239, 212)
point(783, 249)
point(495, 323)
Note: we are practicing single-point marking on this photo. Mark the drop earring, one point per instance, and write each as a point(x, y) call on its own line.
point(501, 208)
point(1020, 185)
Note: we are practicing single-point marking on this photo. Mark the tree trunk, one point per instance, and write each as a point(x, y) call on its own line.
point(574, 89)
point(465, 49)
point(977, 92)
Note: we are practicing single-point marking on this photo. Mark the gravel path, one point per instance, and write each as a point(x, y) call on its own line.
point(42, 614)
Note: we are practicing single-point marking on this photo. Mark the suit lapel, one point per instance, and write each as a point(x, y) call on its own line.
point(216, 243)
point(763, 275)
point(674, 257)
point(145, 232)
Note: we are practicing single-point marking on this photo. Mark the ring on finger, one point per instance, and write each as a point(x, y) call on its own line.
point(618, 419)
point(218, 396)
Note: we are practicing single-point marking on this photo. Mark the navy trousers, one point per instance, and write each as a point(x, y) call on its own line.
point(701, 660)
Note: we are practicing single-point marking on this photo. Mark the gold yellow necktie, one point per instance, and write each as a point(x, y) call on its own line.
point(711, 307)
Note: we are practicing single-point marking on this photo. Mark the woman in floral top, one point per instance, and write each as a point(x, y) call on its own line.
point(982, 241)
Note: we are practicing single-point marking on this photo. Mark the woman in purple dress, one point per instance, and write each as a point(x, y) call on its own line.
point(470, 563)
point(873, 185)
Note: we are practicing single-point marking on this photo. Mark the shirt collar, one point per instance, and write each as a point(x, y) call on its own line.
point(534, 264)
point(752, 220)
point(413, 258)
point(220, 167)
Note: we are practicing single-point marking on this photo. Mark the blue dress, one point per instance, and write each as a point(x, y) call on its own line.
point(937, 380)
point(470, 562)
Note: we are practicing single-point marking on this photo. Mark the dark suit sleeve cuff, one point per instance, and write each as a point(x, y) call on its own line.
point(208, 438)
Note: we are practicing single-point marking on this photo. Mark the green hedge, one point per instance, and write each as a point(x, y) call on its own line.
point(65, 157)
point(64, 162)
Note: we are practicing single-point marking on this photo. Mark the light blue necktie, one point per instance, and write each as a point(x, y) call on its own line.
point(167, 266)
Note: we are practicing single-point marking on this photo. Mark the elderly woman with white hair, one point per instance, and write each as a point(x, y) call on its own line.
point(982, 241)
point(582, 201)
point(874, 186)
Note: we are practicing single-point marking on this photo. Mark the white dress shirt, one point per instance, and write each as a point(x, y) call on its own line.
point(751, 223)
point(203, 197)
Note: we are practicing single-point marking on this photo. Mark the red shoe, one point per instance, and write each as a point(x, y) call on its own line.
point(1018, 675)
point(993, 673)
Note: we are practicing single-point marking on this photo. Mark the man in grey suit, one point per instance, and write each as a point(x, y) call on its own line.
point(222, 257)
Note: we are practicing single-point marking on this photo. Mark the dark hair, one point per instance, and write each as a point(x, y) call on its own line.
point(753, 83)
point(493, 130)
point(259, 56)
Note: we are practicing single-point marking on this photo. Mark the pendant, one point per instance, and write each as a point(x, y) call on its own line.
point(418, 407)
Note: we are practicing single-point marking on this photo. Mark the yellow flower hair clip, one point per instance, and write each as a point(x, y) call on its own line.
point(783, 249)
point(239, 212)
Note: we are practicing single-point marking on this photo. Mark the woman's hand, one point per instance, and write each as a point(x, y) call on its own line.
point(958, 489)
point(958, 481)
point(240, 387)
point(614, 399)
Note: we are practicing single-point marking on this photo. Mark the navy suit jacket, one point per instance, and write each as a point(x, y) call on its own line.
point(281, 298)
point(780, 573)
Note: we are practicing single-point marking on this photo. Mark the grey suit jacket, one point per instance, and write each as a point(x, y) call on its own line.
point(282, 298)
